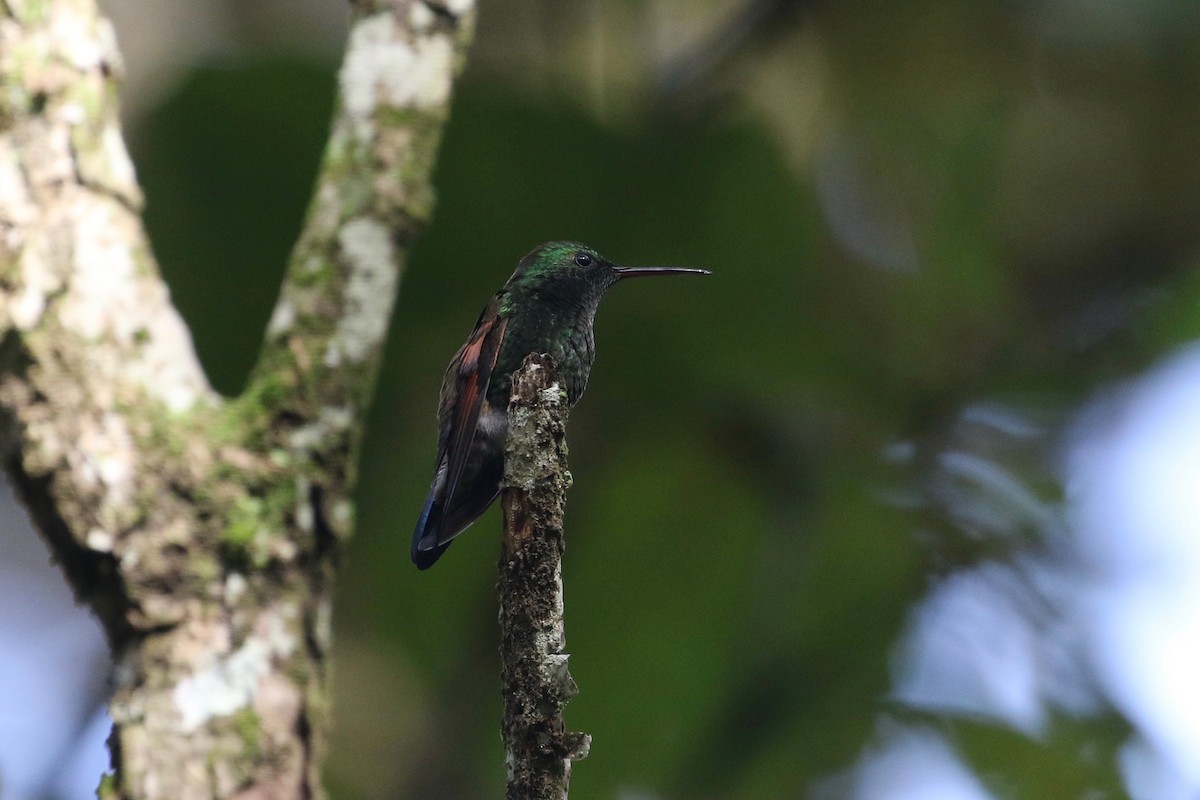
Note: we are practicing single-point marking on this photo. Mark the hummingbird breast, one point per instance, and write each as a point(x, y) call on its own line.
point(574, 355)
point(566, 337)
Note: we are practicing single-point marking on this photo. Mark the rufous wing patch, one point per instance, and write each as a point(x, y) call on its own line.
point(474, 376)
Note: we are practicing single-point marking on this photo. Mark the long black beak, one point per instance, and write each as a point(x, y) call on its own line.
point(642, 272)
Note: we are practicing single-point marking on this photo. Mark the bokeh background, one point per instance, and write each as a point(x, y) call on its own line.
point(903, 502)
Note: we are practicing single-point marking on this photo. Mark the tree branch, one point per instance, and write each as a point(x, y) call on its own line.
point(373, 197)
point(202, 531)
point(536, 682)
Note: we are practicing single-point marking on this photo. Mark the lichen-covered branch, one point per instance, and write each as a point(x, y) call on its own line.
point(536, 682)
point(373, 197)
point(201, 530)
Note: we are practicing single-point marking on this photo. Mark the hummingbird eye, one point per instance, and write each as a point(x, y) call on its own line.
point(583, 259)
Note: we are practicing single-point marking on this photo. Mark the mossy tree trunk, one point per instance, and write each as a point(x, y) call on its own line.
point(202, 530)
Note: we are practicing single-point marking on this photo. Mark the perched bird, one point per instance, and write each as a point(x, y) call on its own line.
point(547, 306)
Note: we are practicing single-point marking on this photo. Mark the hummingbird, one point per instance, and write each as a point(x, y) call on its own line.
point(548, 306)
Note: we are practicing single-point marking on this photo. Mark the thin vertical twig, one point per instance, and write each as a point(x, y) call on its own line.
point(536, 682)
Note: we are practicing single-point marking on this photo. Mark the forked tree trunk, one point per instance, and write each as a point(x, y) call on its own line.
point(202, 529)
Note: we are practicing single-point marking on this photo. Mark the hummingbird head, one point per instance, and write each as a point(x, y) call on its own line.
point(572, 271)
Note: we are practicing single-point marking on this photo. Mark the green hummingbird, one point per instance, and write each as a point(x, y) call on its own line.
point(548, 306)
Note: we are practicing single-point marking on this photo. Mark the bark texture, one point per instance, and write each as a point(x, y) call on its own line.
point(202, 530)
point(536, 682)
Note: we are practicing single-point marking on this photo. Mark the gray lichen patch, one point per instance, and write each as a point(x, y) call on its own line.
point(537, 425)
point(282, 318)
point(388, 66)
point(366, 248)
point(110, 301)
point(330, 426)
point(228, 679)
point(106, 464)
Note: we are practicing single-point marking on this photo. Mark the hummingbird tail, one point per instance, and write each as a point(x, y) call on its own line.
point(425, 547)
point(440, 521)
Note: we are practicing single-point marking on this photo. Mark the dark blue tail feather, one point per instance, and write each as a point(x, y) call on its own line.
point(426, 532)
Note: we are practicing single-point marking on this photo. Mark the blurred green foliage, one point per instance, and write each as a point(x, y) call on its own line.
point(734, 583)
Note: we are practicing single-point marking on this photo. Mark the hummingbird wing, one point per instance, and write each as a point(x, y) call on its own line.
point(478, 359)
point(464, 391)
